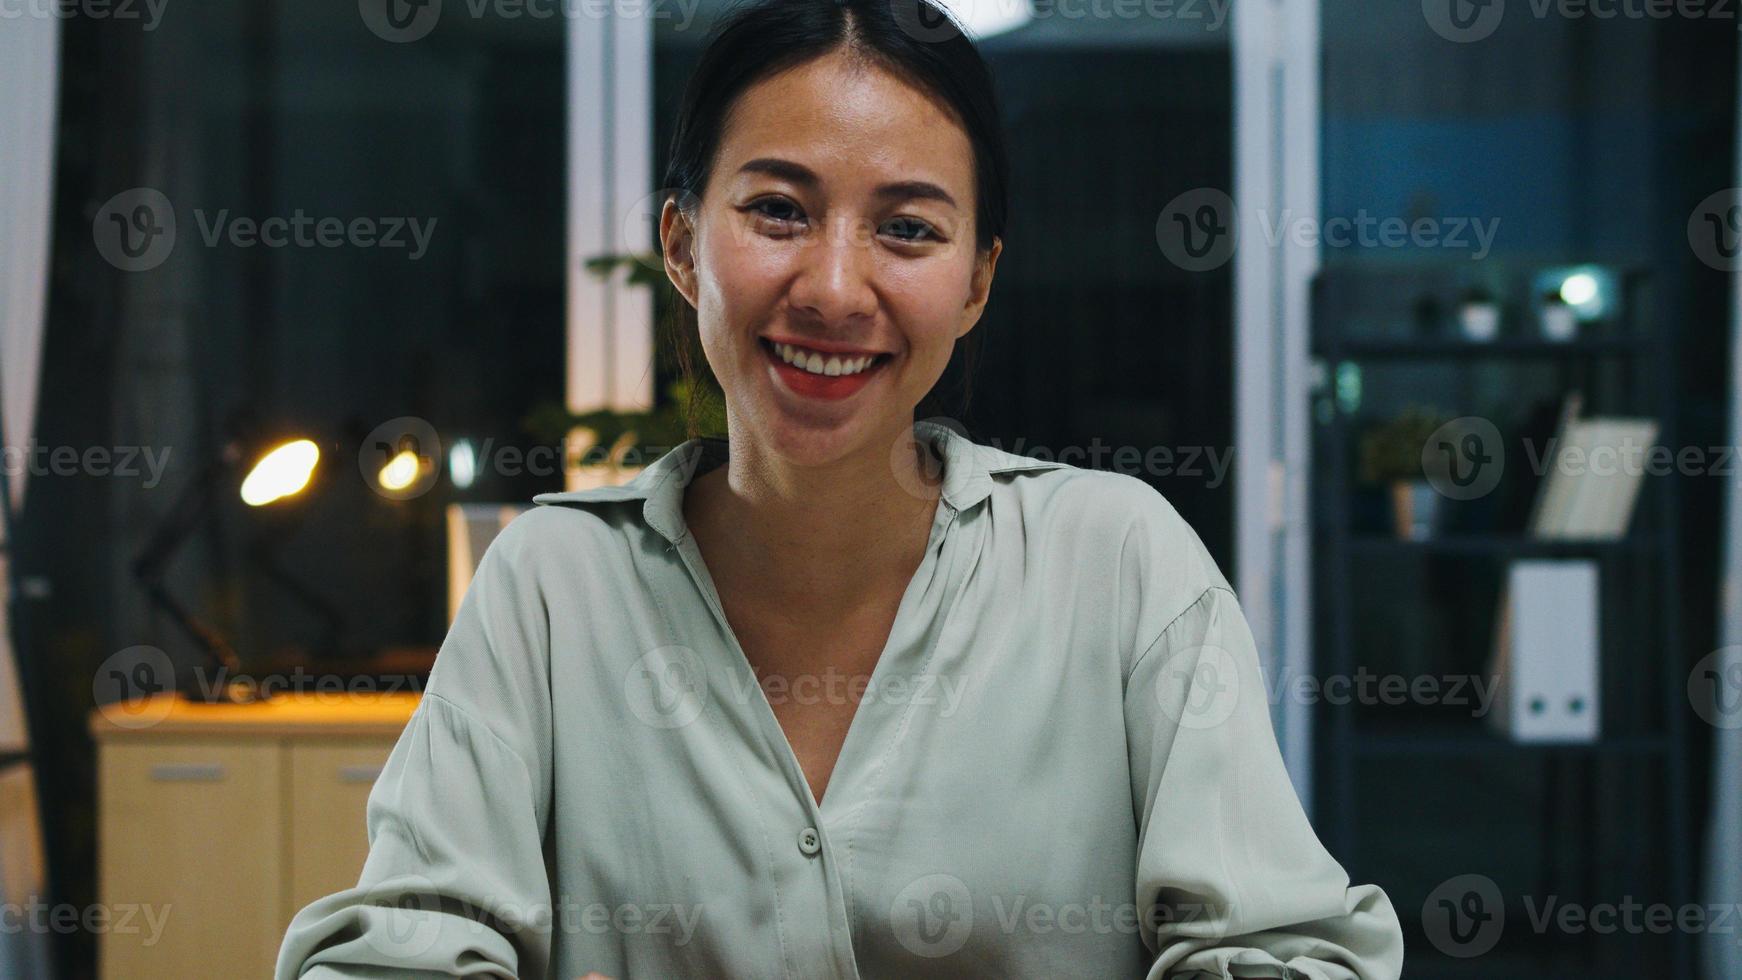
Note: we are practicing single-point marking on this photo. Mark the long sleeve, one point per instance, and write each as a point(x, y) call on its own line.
point(455, 883)
point(1232, 878)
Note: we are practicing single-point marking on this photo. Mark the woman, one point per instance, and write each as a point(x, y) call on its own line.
point(857, 698)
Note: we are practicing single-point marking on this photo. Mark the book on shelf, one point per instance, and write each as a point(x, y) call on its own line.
point(1595, 470)
point(1547, 640)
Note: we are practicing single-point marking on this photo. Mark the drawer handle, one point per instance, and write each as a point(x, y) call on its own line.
point(359, 774)
point(187, 772)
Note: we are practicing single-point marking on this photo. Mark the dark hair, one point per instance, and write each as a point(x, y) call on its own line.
point(915, 39)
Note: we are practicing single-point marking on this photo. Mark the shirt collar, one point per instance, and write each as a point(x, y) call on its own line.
point(968, 470)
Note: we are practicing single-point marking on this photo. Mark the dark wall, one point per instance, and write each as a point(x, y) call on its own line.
point(262, 110)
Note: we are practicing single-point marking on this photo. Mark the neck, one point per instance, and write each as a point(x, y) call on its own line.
point(818, 534)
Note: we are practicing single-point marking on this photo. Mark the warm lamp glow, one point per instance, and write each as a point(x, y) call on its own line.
point(401, 471)
point(281, 473)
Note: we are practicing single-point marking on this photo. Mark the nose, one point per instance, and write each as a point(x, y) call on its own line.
point(834, 278)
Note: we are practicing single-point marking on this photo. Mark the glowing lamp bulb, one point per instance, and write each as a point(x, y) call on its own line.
point(400, 471)
point(281, 473)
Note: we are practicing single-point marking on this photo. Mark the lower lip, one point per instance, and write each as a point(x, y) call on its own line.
point(821, 386)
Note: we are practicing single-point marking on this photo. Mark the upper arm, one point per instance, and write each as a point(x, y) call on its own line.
point(1229, 870)
point(455, 879)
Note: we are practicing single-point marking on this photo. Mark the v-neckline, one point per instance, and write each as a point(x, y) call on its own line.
point(942, 516)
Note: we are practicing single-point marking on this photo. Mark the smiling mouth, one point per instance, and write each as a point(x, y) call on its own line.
point(823, 365)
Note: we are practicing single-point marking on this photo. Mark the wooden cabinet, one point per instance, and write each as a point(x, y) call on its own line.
point(330, 784)
point(216, 823)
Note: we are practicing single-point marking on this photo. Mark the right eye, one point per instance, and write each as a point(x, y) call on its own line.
point(778, 210)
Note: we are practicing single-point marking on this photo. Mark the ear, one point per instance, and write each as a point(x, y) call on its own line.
point(981, 288)
point(677, 236)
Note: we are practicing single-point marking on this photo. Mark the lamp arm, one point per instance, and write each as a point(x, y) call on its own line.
point(262, 554)
point(205, 636)
point(174, 527)
point(172, 531)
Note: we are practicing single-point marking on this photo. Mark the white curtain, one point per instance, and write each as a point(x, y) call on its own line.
point(29, 83)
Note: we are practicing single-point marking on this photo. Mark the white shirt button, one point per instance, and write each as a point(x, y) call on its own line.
point(809, 841)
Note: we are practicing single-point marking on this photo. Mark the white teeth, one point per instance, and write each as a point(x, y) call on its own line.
point(814, 362)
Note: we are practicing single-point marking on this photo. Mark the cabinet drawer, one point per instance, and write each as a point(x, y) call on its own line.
point(329, 792)
point(188, 836)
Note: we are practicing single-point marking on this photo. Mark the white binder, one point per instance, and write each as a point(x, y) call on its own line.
point(1547, 642)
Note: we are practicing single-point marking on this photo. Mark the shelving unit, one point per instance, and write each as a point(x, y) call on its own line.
point(1623, 370)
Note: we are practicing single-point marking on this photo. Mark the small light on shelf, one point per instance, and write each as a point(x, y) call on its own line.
point(1579, 289)
point(1587, 291)
point(463, 464)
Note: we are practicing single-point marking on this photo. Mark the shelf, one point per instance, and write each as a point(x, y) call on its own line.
point(1472, 740)
point(1404, 348)
point(1499, 545)
point(1625, 364)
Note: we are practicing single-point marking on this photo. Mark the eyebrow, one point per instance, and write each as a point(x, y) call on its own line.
point(800, 174)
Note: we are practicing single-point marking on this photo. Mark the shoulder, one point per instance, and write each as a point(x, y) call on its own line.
point(541, 542)
point(1107, 510)
point(539, 528)
point(1114, 527)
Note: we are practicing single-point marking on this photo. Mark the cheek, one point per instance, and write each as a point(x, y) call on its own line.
point(737, 281)
point(926, 299)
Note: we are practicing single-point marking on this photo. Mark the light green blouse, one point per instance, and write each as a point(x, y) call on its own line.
point(1062, 766)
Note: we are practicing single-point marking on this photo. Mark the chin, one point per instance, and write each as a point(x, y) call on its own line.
point(813, 439)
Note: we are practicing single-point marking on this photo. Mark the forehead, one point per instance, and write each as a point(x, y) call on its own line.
point(848, 120)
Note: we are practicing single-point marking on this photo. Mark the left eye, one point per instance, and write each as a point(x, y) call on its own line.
point(910, 229)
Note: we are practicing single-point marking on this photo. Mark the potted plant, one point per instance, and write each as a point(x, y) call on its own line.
point(1391, 455)
point(606, 447)
point(1559, 320)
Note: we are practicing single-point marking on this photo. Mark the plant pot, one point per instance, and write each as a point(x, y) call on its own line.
point(1479, 321)
point(594, 476)
point(1415, 509)
point(1560, 322)
point(584, 470)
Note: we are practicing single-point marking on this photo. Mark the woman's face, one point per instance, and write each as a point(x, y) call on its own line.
point(838, 218)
